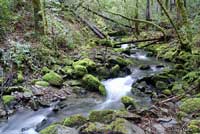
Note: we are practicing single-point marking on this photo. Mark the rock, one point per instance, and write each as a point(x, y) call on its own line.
point(122, 62)
point(74, 121)
point(194, 126)
point(114, 72)
point(161, 85)
point(9, 90)
point(93, 128)
point(191, 76)
point(53, 78)
point(73, 83)
point(104, 42)
point(159, 128)
point(67, 61)
point(42, 83)
point(190, 105)
point(88, 63)
point(20, 77)
point(122, 126)
point(68, 70)
point(105, 116)
point(144, 67)
point(93, 84)
point(80, 70)
point(45, 70)
point(7, 99)
point(2, 113)
point(128, 102)
point(167, 92)
point(58, 129)
point(128, 116)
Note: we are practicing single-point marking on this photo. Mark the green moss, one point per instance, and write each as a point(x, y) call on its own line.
point(102, 89)
point(161, 85)
point(93, 84)
point(104, 42)
point(67, 61)
point(115, 70)
point(75, 120)
point(122, 62)
point(88, 63)
point(42, 83)
point(118, 126)
point(167, 92)
point(53, 78)
point(190, 105)
point(20, 77)
point(128, 101)
point(1, 80)
point(45, 70)
point(7, 99)
point(80, 70)
point(105, 116)
point(49, 130)
point(194, 126)
point(68, 70)
point(191, 76)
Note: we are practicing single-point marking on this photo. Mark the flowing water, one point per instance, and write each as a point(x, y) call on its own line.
point(29, 122)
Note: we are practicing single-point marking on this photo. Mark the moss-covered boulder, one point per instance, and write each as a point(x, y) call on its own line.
point(53, 78)
point(9, 90)
point(74, 121)
point(92, 83)
point(115, 70)
point(105, 116)
point(68, 70)
point(128, 102)
point(194, 127)
point(122, 62)
point(80, 70)
point(161, 85)
point(190, 105)
point(7, 99)
point(42, 83)
point(58, 129)
point(191, 76)
point(88, 63)
point(45, 70)
point(20, 77)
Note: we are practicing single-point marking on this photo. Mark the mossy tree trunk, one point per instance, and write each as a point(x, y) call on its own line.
point(38, 18)
point(136, 17)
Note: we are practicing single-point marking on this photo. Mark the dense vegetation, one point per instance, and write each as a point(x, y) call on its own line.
point(62, 49)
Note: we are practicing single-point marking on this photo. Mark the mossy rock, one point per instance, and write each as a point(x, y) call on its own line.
point(53, 78)
point(75, 83)
point(7, 99)
point(94, 128)
point(80, 70)
point(191, 76)
point(20, 77)
point(190, 105)
point(92, 83)
point(74, 121)
point(68, 70)
point(115, 70)
point(1, 80)
point(122, 62)
point(167, 92)
point(161, 85)
point(128, 101)
point(42, 83)
point(179, 87)
point(9, 90)
point(67, 61)
point(58, 129)
point(45, 70)
point(88, 63)
point(104, 42)
point(194, 126)
point(105, 116)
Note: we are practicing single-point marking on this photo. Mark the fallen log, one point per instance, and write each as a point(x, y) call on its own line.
point(106, 18)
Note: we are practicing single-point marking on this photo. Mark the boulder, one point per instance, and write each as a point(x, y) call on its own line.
point(93, 84)
point(88, 63)
point(80, 70)
point(58, 129)
point(190, 105)
point(105, 116)
point(74, 121)
point(7, 99)
point(115, 70)
point(122, 62)
point(42, 83)
point(128, 102)
point(53, 78)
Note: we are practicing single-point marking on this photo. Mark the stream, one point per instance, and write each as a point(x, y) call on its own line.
point(30, 122)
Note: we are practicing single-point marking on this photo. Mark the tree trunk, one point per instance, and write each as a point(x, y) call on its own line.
point(39, 28)
point(148, 12)
point(136, 17)
point(182, 11)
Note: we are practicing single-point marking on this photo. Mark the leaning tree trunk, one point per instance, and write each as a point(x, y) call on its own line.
point(39, 28)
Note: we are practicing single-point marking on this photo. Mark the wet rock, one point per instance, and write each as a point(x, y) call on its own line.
point(74, 121)
point(58, 129)
point(161, 85)
point(128, 102)
point(115, 71)
point(2, 113)
point(122, 62)
point(128, 116)
point(53, 79)
point(145, 67)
